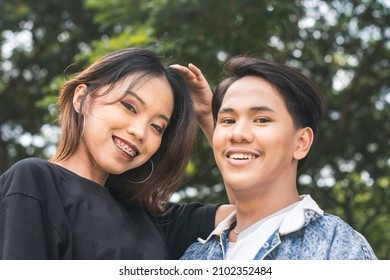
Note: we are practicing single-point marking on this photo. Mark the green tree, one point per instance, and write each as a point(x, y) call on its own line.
point(38, 41)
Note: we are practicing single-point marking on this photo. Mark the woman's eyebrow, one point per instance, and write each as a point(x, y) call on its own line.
point(129, 92)
point(164, 118)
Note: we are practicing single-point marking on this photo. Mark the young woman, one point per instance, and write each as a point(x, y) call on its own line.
point(127, 127)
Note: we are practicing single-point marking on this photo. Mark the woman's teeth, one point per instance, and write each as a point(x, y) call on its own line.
point(125, 148)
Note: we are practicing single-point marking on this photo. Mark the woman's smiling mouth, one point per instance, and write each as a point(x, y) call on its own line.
point(129, 149)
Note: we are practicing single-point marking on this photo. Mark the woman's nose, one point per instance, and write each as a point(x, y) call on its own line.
point(138, 130)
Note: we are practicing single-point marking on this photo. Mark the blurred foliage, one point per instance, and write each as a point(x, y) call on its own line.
point(342, 45)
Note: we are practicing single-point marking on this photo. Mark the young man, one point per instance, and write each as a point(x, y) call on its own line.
point(266, 118)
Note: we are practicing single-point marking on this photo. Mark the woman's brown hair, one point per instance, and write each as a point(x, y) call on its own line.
point(171, 158)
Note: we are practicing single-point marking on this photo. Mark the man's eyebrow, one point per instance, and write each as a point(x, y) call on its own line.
point(225, 110)
point(129, 92)
point(262, 108)
point(253, 109)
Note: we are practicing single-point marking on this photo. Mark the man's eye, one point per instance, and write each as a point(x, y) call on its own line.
point(129, 106)
point(262, 120)
point(228, 121)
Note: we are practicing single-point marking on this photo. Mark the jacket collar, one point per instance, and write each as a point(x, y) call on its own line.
point(305, 211)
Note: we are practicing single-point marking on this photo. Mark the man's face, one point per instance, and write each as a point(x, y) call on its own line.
point(255, 140)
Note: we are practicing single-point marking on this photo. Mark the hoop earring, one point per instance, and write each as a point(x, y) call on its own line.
point(143, 181)
point(82, 129)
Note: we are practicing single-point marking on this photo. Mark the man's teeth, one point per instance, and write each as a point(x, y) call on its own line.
point(242, 156)
point(125, 148)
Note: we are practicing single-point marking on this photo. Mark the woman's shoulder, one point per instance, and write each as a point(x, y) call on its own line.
point(29, 163)
point(25, 176)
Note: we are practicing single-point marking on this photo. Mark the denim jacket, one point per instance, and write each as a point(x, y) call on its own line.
point(306, 233)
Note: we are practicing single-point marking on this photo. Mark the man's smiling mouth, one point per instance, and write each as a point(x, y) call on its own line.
point(242, 156)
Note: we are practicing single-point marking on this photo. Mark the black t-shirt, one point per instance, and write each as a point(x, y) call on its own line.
point(48, 212)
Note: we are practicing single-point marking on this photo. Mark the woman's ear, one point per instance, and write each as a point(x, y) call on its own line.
point(305, 138)
point(79, 93)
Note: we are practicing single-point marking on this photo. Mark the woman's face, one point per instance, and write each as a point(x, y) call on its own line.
point(119, 136)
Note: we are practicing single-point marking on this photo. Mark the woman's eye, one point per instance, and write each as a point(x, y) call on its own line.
point(129, 106)
point(158, 128)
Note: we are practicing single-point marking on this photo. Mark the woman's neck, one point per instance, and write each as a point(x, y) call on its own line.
point(83, 168)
